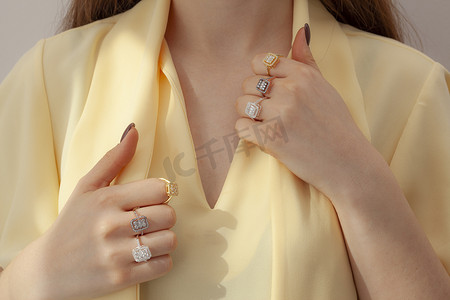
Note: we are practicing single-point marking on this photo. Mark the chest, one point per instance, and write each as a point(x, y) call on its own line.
point(210, 105)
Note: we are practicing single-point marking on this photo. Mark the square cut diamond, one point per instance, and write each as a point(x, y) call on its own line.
point(263, 85)
point(252, 110)
point(141, 253)
point(172, 189)
point(139, 224)
point(270, 60)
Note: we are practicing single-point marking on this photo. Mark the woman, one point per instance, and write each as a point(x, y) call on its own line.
point(303, 207)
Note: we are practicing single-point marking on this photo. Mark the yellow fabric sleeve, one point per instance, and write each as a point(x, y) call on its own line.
point(28, 174)
point(421, 161)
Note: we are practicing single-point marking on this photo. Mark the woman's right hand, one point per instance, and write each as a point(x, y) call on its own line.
point(88, 250)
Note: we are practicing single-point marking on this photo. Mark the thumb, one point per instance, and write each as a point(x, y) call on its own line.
point(107, 168)
point(300, 49)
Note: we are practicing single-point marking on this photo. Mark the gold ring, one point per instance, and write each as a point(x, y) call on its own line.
point(171, 189)
point(271, 60)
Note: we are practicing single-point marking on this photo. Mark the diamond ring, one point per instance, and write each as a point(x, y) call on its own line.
point(141, 253)
point(253, 109)
point(140, 223)
point(171, 189)
point(263, 85)
point(271, 60)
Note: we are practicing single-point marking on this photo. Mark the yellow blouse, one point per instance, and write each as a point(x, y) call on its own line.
point(270, 236)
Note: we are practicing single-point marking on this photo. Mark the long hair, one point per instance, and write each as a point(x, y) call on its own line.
point(381, 17)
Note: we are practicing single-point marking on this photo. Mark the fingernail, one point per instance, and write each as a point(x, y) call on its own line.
point(126, 131)
point(307, 33)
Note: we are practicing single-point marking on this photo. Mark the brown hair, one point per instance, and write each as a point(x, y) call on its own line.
point(82, 12)
point(381, 17)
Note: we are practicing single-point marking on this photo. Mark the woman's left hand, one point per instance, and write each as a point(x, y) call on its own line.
point(324, 147)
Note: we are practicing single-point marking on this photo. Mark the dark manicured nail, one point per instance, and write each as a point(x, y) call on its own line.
point(307, 33)
point(126, 131)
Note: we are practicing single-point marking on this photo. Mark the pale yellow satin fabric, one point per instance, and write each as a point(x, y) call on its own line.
point(270, 236)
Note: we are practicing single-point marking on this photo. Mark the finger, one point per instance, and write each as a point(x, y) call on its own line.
point(285, 68)
point(282, 69)
point(249, 86)
point(300, 48)
point(140, 193)
point(104, 172)
point(159, 217)
point(150, 270)
point(301, 54)
point(244, 130)
point(120, 252)
point(252, 102)
point(131, 272)
point(159, 243)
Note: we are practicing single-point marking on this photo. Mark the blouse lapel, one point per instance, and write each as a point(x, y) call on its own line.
point(332, 52)
point(124, 89)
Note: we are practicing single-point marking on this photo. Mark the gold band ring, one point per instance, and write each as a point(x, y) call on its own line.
point(171, 189)
point(270, 61)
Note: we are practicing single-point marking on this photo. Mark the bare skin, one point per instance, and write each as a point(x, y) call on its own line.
point(212, 44)
point(375, 221)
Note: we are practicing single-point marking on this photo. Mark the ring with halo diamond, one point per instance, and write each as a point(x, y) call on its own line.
point(140, 223)
point(253, 109)
point(141, 253)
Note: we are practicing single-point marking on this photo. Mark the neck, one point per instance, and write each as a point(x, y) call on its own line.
point(224, 28)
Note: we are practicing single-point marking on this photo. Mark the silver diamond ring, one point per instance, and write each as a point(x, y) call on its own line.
point(263, 85)
point(140, 223)
point(141, 253)
point(253, 109)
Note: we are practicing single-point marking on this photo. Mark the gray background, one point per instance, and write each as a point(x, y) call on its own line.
point(24, 22)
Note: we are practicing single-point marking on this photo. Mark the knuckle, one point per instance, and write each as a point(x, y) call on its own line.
point(106, 228)
point(160, 266)
point(171, 216)
point(119, 277)
point(168, 263)
point(102, 230)
point(257, 60)
point(171, 241)
point(238, 102)
point(245, 83)
point(109, 156)
point(163, 265)
point(84, 181)
point(111, 257)
point(293, 86)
